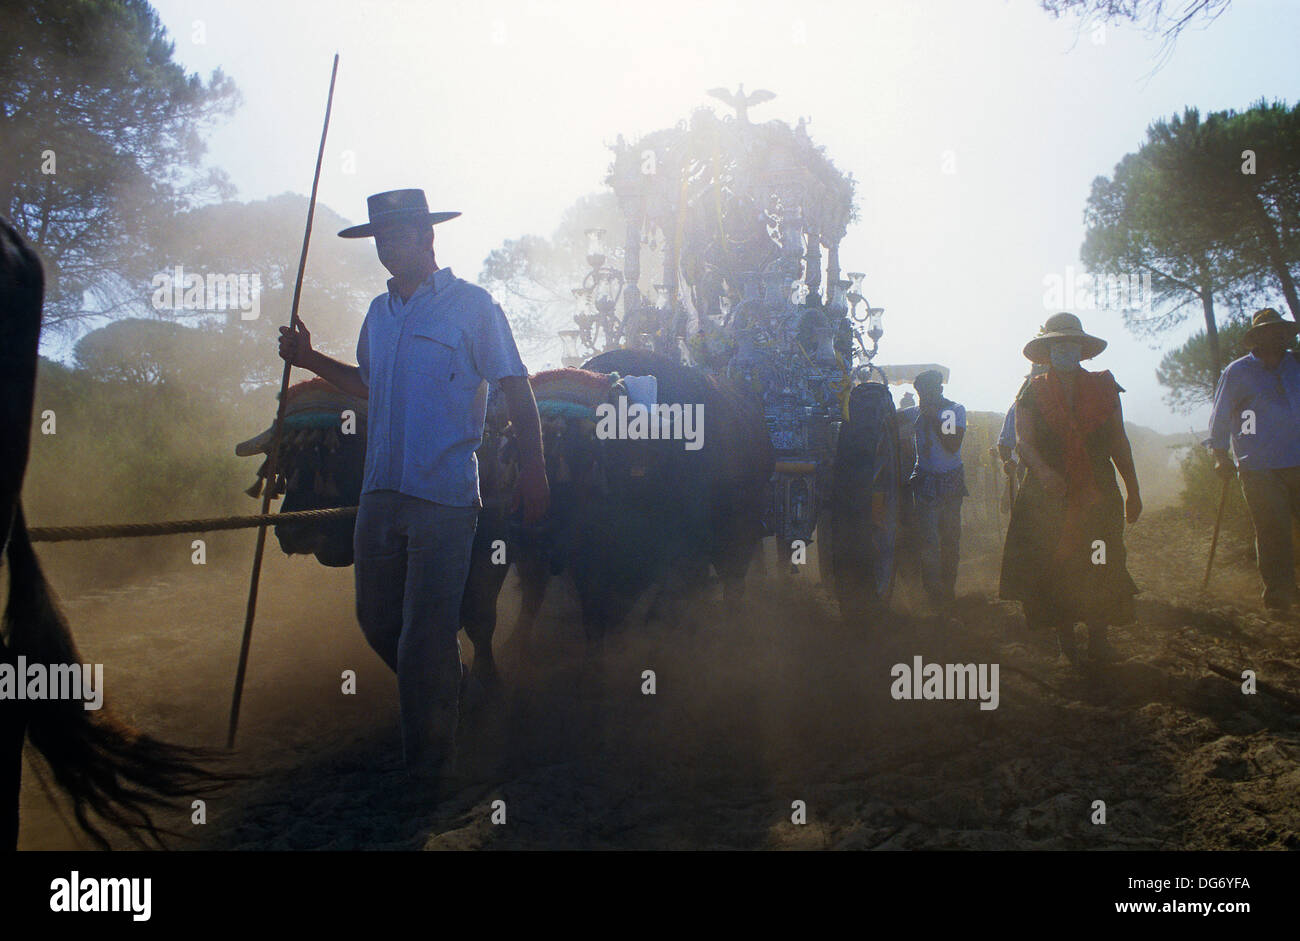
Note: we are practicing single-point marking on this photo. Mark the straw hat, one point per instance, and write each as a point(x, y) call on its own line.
point(1268, 321)
point(1062, 326)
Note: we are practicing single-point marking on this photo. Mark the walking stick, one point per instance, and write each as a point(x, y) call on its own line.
point(1214, 541)
point(251, 609)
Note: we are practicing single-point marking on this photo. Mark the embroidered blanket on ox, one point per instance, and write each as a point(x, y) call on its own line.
point(317, 404)
point(310, 405)
point(571, 392)
point(577, 393)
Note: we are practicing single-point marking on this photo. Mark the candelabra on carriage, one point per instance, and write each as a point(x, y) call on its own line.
point(737, 216)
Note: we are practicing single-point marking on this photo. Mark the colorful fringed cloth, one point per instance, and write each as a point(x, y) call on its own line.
point(1096, 398)
point(317, 404)
point(571, 392)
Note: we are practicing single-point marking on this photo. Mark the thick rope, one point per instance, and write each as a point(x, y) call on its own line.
point(122, 530)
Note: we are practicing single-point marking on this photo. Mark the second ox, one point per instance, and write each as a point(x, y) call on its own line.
point(628, 511)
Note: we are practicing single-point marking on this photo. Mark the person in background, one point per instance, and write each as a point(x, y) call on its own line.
point(1064, 557)
point(1257, 411)
point(938, 483)
point(1006, 443)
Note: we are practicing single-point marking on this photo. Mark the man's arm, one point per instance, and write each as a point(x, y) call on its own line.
point(522, 407)
point(496, 358)
point(1222, 414)
point(1006, 445)
point(295, 348)
point(1121, 452)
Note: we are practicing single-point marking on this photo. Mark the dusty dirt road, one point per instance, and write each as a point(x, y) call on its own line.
point(755, 708)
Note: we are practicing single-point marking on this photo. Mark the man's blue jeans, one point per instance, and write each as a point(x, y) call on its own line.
point(412, 559)
point(936, 509)
point(938, 525)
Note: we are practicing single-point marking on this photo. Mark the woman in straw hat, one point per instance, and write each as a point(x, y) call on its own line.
point(1064, 556)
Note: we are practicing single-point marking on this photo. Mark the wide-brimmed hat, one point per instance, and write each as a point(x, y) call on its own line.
point(396, 206)
point(1267, 321)
point(1062, 326)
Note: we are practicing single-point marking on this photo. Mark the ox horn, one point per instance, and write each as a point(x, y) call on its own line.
point(258, 444)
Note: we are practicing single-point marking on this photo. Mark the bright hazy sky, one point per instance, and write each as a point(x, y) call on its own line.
point(503, 109)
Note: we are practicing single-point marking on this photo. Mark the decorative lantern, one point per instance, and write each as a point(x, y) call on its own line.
point(855, 286)
point(595, 247)
point(606, 290)
point(570, 355)
point(875, 327)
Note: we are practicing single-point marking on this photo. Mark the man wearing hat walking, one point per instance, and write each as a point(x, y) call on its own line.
point(938, 482)
point(1257, 411)
point(1064, 556)
point(428, 349)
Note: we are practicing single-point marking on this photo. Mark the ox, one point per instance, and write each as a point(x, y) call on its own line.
point(626, 514)
point(320, 464)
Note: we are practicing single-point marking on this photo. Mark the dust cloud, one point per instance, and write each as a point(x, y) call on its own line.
point(756, 707)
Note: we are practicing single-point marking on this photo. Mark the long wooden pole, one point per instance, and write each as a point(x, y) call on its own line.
point(1214, 540)
point(251, 610)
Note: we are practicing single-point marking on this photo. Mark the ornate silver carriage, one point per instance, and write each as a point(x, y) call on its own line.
point(741, 224)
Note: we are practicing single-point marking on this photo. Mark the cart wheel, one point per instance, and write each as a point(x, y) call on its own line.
point(865, 506)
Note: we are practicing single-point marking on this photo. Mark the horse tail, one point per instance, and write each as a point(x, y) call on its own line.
point(100, 761)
